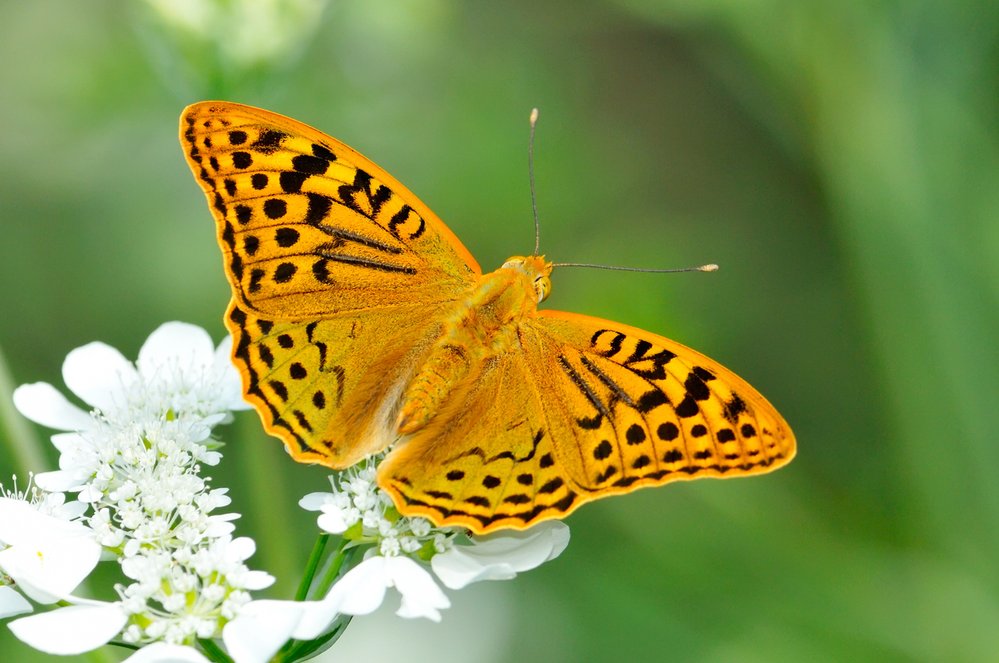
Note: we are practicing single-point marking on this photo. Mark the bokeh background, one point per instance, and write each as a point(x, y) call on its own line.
point(839, 160)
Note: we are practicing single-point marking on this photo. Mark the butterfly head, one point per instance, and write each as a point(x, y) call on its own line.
point(536, 269)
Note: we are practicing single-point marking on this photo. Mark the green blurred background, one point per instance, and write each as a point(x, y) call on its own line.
point(839, 160)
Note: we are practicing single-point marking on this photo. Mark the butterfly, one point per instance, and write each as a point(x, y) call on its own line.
point(361, 323)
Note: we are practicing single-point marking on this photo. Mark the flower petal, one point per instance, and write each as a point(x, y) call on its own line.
point(161, 652)
point(70, 443)
point(315, 501)
point(260, 628)
point(58, 481)
point(316, 618)
point(175, 343)
point(98, 374)
point(421, 597)
point(501, 556)
point(44, 404)
point(47, 557)
point(22, 522)
point(71, 630)
point(332, 522)
point(362, 589)
point(12, 603)
point(240, 548)
point(256, 580)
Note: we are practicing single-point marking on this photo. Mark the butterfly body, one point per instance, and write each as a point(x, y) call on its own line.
point(483, 324)
point(361, 323)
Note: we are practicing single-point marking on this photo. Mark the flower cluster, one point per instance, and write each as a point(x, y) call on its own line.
point(134, 464)
point(360, 511)
point(364, 515)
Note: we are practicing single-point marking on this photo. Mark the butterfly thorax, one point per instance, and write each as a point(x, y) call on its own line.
point(482, 324)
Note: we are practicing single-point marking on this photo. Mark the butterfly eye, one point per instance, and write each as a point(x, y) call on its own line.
point(541, 286)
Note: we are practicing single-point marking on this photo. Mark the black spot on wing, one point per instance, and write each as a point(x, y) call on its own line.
point(291, 182)
point(242, 160)
point(668, 431)
point(310, 165)
point(269, 140)
point(323, 152)
point(286, 237)
point(635, 434)
point(318, 209)
point(734, 408)
point(696, 388)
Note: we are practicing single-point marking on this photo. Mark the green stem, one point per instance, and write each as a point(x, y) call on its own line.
point(343, 555)
point(214, 652)
point(123, 645)
point(339, 564)
point(310, 648)
point(310, 569)
point(23, 443)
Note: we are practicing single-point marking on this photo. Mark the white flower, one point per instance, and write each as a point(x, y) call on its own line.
point(362, 589)
point(498, 556)
point(357, 500)
point(262, 627)
point(335, 517)
point(12, 603)
point(178, 370)
point(501, 555)
point(160, 652)
point(47, 557)
point(71, 630)
point(44, 404)
point(135, 462)
point(399, 546)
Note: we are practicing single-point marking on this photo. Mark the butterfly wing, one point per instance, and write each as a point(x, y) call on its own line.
point(584, 408)
point(308, 227)
point(336, 270)
point(327, 387)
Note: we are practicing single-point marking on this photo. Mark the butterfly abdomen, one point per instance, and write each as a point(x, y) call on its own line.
point(481, 325)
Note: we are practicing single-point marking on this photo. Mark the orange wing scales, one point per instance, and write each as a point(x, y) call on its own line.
point(267, 379)
point(679, 421)
point(505, 490)
point(500, 470)
point(307, 226)
point(632, 410)
point(347, 291)
point(335, 270)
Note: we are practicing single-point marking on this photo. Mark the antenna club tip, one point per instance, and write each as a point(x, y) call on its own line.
point(534, 115)
point(708, 268)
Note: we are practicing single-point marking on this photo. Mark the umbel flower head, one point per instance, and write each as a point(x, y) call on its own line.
point(135, 460)
point(134, 464)
point(364, 515)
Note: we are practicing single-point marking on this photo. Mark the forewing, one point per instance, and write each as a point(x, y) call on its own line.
point(308, 227)
point(584, 408)
point(339, 276)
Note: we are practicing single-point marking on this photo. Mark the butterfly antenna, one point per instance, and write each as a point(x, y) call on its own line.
point(702, 268)
point(530, 171)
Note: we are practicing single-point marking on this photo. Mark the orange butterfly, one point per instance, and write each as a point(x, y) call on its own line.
point(361, 322)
